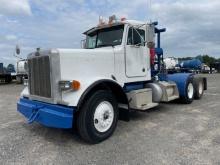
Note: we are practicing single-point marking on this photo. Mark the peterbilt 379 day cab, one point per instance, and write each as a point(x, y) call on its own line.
point(93, 87)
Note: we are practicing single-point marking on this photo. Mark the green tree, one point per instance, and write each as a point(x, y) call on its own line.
point(203, 58)
point(208, 60)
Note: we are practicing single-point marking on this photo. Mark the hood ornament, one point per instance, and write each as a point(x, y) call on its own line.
point(37, 52)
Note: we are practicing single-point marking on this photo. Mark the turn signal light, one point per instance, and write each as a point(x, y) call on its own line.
point(75, 85)
point(68, 85)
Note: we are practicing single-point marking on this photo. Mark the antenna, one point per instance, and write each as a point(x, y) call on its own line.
point(149, 7)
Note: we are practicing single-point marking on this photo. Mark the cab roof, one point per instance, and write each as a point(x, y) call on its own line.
point(132, 22)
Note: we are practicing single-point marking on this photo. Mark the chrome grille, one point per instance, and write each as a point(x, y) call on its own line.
point(39, 76)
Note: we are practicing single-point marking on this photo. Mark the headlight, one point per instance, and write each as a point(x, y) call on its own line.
point(67, 85)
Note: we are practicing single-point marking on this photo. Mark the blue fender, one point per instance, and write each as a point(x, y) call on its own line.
point(181, 80)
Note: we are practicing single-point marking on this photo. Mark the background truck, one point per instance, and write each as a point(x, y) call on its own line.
point(5, 75)
point(215, 66)
point(21, 71)
point(173, 65)
point(93, 87)
point(21, 66)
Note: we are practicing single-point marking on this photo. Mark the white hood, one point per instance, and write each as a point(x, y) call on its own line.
point(85, 63)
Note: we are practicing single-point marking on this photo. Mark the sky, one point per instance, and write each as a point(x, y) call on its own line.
point(193, 27)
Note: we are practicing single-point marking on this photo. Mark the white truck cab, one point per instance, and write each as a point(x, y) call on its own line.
point(110, 53)
point(94, 86)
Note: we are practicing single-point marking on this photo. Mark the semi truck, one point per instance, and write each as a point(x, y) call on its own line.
point(193, 65)
point(21, 71)
point(21, 66)
point(173, 65)
point(90, 89)
point(5, 76)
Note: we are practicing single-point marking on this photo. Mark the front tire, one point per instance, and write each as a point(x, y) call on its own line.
point(98, 117)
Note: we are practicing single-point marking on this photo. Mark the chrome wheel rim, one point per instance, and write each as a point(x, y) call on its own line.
point(103, 116)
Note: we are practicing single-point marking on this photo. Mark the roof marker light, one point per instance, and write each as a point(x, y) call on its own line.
point(123, 19)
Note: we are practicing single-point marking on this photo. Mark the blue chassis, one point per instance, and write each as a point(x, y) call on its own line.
point(50, 115)
point(58, 116)
point(180, 79)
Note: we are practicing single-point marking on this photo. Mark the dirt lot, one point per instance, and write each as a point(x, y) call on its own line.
point(169, 134)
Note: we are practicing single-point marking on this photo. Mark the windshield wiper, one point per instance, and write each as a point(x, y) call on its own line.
point(104, 45)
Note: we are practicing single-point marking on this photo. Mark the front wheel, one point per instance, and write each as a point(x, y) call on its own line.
point(97, 119)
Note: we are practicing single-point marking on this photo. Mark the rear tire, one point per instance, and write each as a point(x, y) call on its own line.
point(189, 92)
point(98, 117)
point(199, 88)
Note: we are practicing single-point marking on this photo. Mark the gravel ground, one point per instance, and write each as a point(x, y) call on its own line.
point(169, 134)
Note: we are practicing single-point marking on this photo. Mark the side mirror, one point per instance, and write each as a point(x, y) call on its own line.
point(17, 50)
point(150, 45)
point(83, 44)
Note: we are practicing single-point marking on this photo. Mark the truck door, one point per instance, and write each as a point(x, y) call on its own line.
point(135, 49)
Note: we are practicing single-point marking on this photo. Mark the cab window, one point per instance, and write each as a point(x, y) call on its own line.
point(136, 36)
point(110, 36)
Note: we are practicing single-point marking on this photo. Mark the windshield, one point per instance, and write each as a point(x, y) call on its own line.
point(105, 37)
